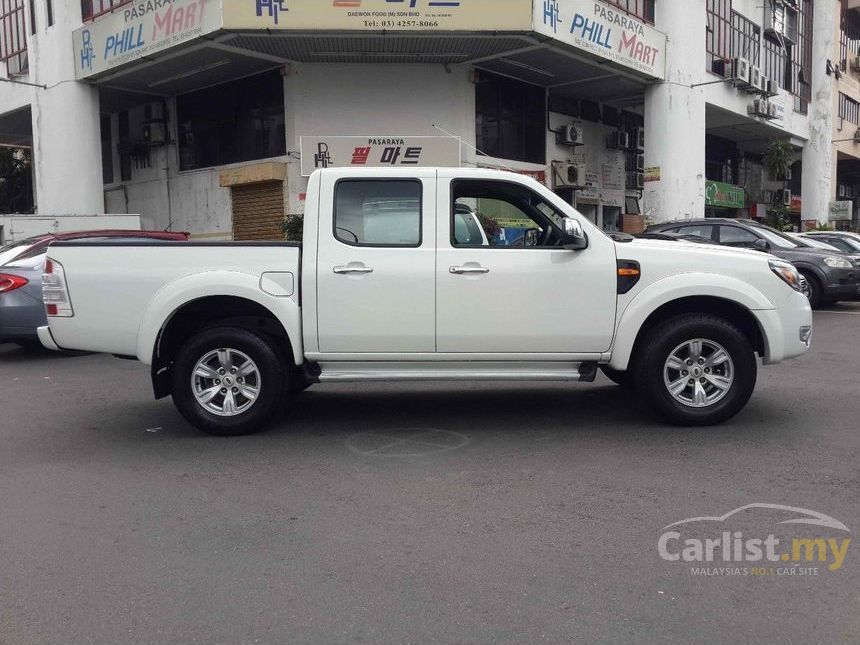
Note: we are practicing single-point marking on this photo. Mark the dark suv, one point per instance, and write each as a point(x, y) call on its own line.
point(831, 275)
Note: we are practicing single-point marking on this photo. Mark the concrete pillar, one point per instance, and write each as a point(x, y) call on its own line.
point(66, 136)
point(818, 165)
point(675, 118)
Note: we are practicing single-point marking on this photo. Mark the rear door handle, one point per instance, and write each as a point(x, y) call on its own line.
point(345, 268)
point(467, 269)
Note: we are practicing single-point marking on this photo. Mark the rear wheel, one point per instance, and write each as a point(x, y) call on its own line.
point(229, 381)
point(696, 370)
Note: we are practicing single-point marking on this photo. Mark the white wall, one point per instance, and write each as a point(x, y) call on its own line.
point(357, 99)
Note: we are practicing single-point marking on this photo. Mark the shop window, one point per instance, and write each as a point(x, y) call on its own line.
point(510, 119)
point(107, 150)
point(238, 121)
point(849, 109)
point(378, 213)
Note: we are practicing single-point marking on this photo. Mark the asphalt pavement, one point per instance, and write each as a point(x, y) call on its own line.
point(420, 513)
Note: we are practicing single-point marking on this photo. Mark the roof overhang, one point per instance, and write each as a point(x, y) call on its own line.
point(186, 44)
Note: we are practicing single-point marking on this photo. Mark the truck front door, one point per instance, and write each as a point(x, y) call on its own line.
point(512, 289)
point(376, 263)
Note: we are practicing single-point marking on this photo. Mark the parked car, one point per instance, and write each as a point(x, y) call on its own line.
point(829, 274)
point(848, 243)
point(233, 331)
point(21, 308)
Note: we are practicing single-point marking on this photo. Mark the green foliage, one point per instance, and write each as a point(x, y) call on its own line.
point(824, 227)
point(777, 217)
point(16, 191)
point(778, 158)
point(293, 227)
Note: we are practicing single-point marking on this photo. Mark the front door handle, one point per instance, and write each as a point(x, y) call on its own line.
point(346, 268)
point(468, 269)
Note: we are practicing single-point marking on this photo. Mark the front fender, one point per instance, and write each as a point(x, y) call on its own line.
point(174, 295)
point(674, 288)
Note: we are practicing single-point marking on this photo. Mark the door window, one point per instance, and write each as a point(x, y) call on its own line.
point(701, 230)
point(510, 215)
point(737, 236)
point(378, 212)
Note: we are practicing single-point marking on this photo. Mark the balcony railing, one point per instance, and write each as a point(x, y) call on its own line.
point(94, 8)
point(13, 36)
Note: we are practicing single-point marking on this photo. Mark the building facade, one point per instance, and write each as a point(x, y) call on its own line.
point(209, 115)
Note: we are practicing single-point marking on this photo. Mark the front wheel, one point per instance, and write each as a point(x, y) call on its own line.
point(228, 381)
point(696, 370)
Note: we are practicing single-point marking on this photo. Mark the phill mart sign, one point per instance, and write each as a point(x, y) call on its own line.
point(605, 32)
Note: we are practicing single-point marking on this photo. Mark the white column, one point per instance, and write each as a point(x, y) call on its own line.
point(675, 117)
point(66, 137)
point(818, 153)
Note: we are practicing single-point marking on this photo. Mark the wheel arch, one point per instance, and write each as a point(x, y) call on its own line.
point(736, 303)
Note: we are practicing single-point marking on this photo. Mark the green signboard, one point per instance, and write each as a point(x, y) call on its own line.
point(723, 195)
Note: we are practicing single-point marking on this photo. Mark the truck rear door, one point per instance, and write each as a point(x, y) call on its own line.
point(376, 262)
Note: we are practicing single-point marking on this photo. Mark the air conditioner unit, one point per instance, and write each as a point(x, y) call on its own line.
point(857, 136)
point(771, 88)
point(764, 80)
point(569, 135)
point(739, 72)
point(618, 140)
point(755, 79)
point(842, 191)
point(155, 134)
point(855, 63)
point(782, 197)
point(568, 175)
point(640, 162)
point(772, 111)
point(640, 180)
point(759, 107)
point(639, 140)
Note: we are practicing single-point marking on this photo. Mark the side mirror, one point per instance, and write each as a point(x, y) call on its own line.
point(761, 245)
point(574, 238)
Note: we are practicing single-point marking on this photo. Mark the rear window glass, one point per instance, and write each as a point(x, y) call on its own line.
point(378, 212)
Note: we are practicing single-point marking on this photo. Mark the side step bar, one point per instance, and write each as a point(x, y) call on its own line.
point(343, 371)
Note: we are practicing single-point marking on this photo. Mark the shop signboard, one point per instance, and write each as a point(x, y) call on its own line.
point(139, 29)
point(720, 195)
point(383, 151)
point(379, 15)
point(841, 210)
point(604, 31)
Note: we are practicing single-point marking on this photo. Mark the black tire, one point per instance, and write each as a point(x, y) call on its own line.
point(274, 388)
point(815, 290)
point(658, 345)
point(624, 379)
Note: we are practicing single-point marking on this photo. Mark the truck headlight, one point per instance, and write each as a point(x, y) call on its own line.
point(837, 263)
point(786, 272)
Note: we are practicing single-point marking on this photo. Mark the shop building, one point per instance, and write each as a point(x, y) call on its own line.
point(844, 65)
point(208, 115)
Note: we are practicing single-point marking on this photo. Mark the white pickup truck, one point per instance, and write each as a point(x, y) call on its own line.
point(398, 279)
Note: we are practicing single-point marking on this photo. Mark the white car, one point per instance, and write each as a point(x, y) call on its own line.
point(233, 330)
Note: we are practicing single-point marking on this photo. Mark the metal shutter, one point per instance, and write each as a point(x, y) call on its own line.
point(258, 211)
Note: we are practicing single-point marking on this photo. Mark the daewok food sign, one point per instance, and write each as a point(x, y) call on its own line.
point(604, 31)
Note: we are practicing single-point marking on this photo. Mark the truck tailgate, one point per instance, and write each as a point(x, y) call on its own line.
point(111, 285)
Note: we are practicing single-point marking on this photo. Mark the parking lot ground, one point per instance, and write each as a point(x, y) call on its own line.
point(414, 513)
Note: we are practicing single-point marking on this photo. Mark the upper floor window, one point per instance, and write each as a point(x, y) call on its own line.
point(510, 119)
point(237, 121)
point(849, 109)
point(788, 49)
point(849, 41)
point(643, 9)
point(13, 36)
point(730, 35)
point(93, 8)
